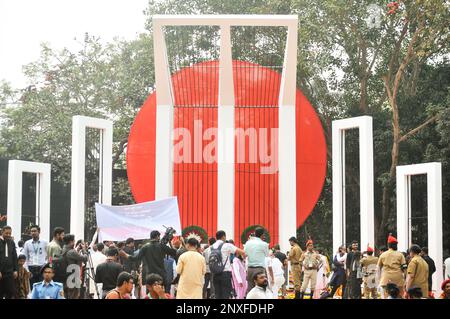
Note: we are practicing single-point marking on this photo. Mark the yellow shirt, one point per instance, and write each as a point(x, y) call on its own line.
point(418, 269)
point(390, 263)
point(192, 268)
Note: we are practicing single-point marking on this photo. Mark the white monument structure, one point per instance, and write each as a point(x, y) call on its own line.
point(226, 110)
point(434, 202)
point(366, 191)
point(14, 210)
point(77, 207)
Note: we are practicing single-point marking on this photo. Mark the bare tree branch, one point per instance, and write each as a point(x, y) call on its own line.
point(388, 90)
point(397, 49)
point(119, 151)
point(417, 129)
point(405, 62)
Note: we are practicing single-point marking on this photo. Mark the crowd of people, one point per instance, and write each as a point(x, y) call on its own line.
point(165, 268)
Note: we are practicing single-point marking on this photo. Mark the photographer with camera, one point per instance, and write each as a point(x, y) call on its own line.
point(153, 253)
point(72, 255)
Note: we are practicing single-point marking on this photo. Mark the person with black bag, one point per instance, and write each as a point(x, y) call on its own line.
point(71, 261)
point(208, 293)
point(220, 266)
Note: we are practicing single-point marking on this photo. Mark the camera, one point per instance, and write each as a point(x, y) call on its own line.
point(168, 235)
point(135, 276)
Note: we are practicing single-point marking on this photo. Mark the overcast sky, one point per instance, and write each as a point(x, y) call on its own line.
point(24, 24)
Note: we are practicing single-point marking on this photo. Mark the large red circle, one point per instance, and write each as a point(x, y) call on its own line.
point(192, 86)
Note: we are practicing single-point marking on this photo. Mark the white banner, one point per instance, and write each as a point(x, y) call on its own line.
point(117, 223)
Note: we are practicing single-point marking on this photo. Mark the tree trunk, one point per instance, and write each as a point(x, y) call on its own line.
point(363, 72)
point(363, 95)
point(387, 194)
point(392, 92)
point(388, 186)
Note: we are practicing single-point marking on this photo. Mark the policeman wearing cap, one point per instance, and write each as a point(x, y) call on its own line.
point(311, 262)
point(392, 265)
point(295, 256)
point(47, 289)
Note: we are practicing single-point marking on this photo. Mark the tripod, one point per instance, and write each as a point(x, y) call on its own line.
point(90, 275)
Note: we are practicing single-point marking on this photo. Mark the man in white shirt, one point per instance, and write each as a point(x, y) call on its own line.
point(276, 274)
point(35, 250)
point(98, 257)
point(260, 291)
point(222, 280)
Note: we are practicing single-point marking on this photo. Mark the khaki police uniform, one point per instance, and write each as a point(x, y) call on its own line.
point(390, 263)
point(295, 255)
point(418, 269)
point(369, 264)
point(311, 264)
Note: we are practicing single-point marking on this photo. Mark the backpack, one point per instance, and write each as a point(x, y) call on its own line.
point(216, 264)
point(59, 265)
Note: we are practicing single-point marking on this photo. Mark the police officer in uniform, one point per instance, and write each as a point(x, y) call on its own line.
point(311, 263)
point(294, 256)
point(392, 265)
point(369, 267)
point(417, 271)
point(47, 289)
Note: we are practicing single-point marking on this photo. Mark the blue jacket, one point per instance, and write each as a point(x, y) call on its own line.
point(53, 290)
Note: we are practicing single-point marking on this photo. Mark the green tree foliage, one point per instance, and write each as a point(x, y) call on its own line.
point(100, 80)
